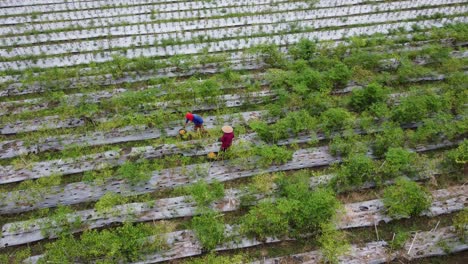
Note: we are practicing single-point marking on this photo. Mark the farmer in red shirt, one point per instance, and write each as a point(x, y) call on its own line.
point(227, 137)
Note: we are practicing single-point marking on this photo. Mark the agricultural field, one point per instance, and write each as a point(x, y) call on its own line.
point(350, 120)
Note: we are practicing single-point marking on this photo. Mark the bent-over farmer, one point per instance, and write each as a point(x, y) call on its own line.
point(196, 119)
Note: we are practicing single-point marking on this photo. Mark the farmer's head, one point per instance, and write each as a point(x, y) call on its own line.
point(189, 116)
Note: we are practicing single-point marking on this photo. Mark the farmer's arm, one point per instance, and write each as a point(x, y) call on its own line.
point(222, 139)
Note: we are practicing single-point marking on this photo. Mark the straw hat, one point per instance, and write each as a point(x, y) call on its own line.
point(227, 129)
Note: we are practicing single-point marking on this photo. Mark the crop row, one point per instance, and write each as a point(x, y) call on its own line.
point(184, 243)
point(94, 7)
point(224, 45)
point(421, 245)
point(185, 26)
point(78, 3)
point(360, 214)
point(223, 8)
point(51, 122)
point(153, 39)
point(12, 173)
point(74, 193)
point(237, 63)
point(38, 104)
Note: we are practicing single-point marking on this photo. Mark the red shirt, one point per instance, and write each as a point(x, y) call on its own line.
point(226, 140)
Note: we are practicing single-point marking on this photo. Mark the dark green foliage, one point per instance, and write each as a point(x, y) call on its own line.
point(364, 59)
point(436, 53)
point(262, 129)
point(16, 257)
point(209, 228)
point(458, 81)
point(304, 49)
point(315, 208)
point(134, 172)
point(335, 120)
point(294, 186)
point(296, 212)
point(435, 129)
point(300, 79)
point(109, 200)
point(269, 218)
point(269, 155)
point(204, 194)
point(270, 54)
point(399, 240)
point(207, 88)
point(213, 258)
point(363, 99)
point(417, 107)
point(59, 223)
point(317, 103)
point(339, 75)
point(408, 70)
point(460, 222)
point(292, 124)
point(457, 159)
point(355, 170)
point(348, 144)
point(333, 242)
point(124, 243)
point(399, 162)
point(323, 62)
point(406, 198)
point(391, 136)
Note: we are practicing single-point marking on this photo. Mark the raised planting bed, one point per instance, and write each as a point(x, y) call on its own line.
point(439, 242)
point(12, 148)
point(74, 193)
point(303, 23)
point(360, 214)
point(166, 27)
point(226, 45)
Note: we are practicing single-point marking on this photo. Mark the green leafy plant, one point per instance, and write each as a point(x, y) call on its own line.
point(363, 99)
point(297, 211)
point(339, 75)
point(270, 54)
point(269, 155)
point(457, 159)
point(399, 162)
point(399, 240)
point(268, 219)
point(204, 194)
point(391, 136)
point(333, 243)
point(335, 120)
point(349, 143)
point(213, 258)
point(304, 49)
point(406, 198)
point(60, 223)
point(16, 257)
point(122, 244)
point(460, 222)
point(134, 172)
point(355, 170)
point(108, 201)
point(209, 228)
point(417, 107)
